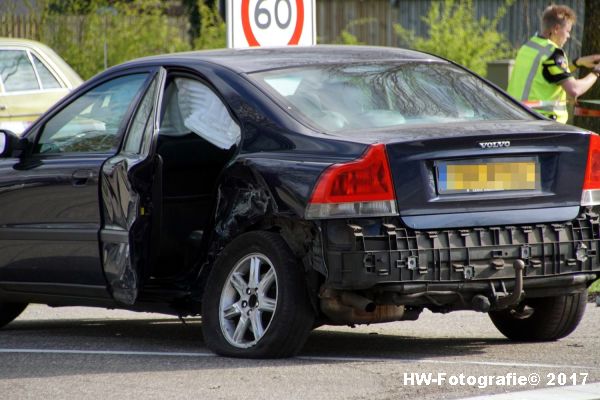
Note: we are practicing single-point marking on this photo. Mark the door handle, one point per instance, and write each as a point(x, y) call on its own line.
point(81, 177)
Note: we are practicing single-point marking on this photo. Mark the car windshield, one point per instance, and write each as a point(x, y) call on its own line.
point(359, 96)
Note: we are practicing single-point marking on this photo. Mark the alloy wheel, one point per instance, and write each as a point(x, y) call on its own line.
point(248, 300)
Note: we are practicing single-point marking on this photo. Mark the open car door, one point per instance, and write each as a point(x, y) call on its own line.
point(131, 186)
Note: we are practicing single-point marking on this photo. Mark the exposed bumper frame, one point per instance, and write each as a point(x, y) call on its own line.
point(381, 255)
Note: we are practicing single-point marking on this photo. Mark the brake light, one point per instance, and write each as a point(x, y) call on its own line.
point(363, 187)
point(591, 182)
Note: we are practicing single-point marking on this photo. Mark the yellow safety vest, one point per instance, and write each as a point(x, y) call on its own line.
point(529, 85)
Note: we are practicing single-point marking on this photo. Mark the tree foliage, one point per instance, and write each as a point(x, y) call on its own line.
point(455, 33)
point(191, 9)
point(212, 33)
point(347, 37)
point(86, 33)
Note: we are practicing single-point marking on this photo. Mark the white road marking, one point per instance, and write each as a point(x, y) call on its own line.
point(108, 352)
point(306, 358)
point(433, 361)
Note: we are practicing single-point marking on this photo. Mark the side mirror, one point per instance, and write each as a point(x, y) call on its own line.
point(10, 144)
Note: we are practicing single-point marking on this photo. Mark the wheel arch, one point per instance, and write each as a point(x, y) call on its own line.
point(246, 201)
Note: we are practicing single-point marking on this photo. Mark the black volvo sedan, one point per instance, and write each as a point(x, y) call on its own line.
point(275, 190)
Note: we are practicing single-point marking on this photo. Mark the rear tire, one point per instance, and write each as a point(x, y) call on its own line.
point(256, 304)
point(10, 311)
point(542, 319)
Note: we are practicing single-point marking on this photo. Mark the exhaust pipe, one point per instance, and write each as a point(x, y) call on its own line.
point(355, 301)
point(348, 308)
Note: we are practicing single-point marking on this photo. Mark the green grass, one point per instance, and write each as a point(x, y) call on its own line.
point(595, 288)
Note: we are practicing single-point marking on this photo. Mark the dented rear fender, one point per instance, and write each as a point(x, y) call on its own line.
point(257, 194)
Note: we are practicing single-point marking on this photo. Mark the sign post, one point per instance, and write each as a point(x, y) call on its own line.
point(267, 23)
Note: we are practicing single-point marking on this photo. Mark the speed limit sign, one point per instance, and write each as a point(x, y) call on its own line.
point(255, 23)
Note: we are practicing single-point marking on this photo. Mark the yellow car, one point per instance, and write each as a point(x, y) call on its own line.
point(32, 78)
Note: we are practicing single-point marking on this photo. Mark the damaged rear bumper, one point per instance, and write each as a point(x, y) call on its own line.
point(399, 265)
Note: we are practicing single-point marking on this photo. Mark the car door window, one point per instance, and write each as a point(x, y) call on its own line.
point(142, 122)
point(16, 71)
point(47, 79)
point(91, 123)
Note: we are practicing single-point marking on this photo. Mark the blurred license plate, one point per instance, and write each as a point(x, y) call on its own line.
point(488, 175)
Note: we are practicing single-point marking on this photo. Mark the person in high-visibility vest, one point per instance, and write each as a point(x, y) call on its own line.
point(542, 77)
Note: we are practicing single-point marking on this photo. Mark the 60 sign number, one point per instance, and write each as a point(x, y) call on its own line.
point(263, 11)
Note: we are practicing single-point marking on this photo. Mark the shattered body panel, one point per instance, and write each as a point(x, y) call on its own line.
point(121, 210)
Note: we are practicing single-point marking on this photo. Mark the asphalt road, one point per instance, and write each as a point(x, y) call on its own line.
point(84, 353)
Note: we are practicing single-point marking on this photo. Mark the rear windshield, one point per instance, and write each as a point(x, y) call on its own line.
point(351, 96)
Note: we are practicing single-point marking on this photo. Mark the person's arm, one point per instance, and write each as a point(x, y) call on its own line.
point(555, 70)
point(577, 87)
point(588, 61)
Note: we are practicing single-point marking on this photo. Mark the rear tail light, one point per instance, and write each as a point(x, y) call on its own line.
point(591, 184)
point(363, 187)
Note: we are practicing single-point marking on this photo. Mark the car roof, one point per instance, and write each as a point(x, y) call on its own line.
point(20, 42)
point(259, 59)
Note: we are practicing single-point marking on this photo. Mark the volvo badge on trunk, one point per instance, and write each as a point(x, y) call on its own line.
point(494, 145)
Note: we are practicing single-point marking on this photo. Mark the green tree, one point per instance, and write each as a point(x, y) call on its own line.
point(347, 37)
point(213, 33)
point(455, 33)
point(193, 10)
point(191, 7)
point(69, 6)
point(86, 33)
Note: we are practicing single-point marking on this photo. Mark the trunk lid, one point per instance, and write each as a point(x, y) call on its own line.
point(442, 173)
